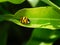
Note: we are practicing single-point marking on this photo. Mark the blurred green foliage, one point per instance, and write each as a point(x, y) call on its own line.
point(13, 1)
point(44, 16)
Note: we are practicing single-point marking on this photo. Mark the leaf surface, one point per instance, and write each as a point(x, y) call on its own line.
point(41, 17)
point(13, 1)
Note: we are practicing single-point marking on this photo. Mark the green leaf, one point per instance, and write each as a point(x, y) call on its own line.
point(41, 17)
point(13, 1)
point(57, 2)
point(53, 3)
point(3, 0)
point(5, 17)
point(42, 37)
point(16, 1)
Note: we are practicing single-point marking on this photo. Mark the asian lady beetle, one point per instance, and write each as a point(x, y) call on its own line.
point(24, 20)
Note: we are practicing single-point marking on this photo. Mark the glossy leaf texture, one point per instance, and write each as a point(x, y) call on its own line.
point(42, 17)
point(13, 1)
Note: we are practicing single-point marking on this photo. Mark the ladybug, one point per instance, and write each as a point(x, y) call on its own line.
point(24, 20)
